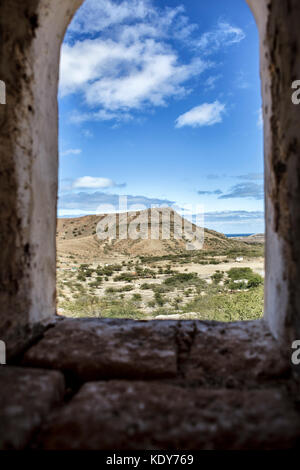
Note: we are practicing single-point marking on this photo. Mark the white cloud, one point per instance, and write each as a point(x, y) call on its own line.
point(90, 202)
point(71, 152)
point(68, 213)
point(234, 216)
point(260, 121)
point(223, 35)
point(131, 64)
point(129, 19)
point(210, 83)
point(120, 58)
point(97, 15)
point(247, 190)
point(250, 176)
point(90, 182)
point(87, 133)
point(241, 81)
point(206, 114)
point(102, 115)
point(119, 77)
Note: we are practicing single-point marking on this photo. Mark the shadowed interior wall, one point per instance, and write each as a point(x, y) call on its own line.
point(31, 33)
point(278, 23)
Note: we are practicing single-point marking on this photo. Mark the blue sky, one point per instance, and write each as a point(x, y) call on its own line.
point(160, 100)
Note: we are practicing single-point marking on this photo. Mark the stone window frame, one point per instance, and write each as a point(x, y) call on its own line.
point(32, 34)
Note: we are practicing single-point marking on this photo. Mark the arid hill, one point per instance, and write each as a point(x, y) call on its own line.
point(256, 238)
point(77, 236)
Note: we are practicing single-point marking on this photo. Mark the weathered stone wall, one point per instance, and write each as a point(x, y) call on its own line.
point(278, 23)
point(111, 384)
point(120, 383)
point(31, 33)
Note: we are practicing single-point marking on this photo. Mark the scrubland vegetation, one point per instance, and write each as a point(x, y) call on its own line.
point(147, 287)
point(147, 278)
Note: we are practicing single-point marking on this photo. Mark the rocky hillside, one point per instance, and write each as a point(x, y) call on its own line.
point(78, 235)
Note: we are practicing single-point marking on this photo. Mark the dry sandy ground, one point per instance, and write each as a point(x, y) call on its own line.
point(204, 271)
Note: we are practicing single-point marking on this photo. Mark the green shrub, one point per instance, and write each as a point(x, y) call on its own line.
point(235, 306)
point(146, 286)
point(159, 299)
point(110, 290)
point(255, 281)
point(126, 288)
point(180, 278)
point(136, 297)
point(239, 273)
point(236, 285)
point(217, 276)
point(94, 283)
point(126, 276)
